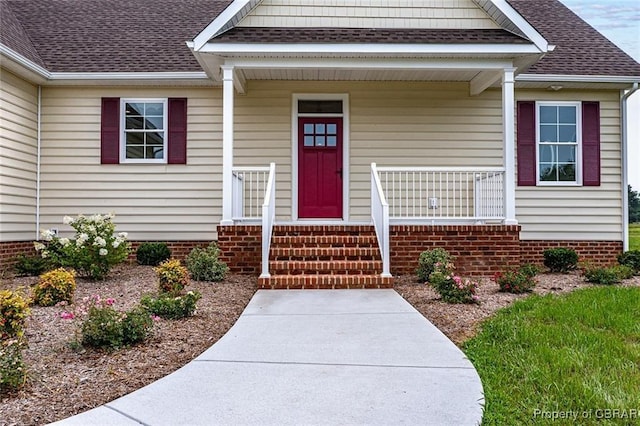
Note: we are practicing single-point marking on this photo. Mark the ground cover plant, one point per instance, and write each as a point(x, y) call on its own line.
point(576, 352)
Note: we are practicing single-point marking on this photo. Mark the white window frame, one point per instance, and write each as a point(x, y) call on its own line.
point(578, 106)
point(165, 131)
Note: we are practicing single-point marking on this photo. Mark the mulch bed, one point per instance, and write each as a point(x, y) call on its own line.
point(63, 381)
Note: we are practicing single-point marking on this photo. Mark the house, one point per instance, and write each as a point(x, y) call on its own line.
point(285, 128)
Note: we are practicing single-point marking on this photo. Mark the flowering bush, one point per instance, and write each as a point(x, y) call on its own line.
point(454, 289)
point(172, 277)
point(55, 286)
point(434, 260)
point(514, 281)
point(102, 326)
point(14, 308)
point(94, 250)
point(204, 265)
point(13, 371)
point(168, 307)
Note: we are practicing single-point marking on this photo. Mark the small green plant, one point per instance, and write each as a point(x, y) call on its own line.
point(94, 250)
point(560, 259)
point(515, 281)
point(454, 289)
point(152, 254)
point(13, 371)
point(14, 309)
point(31, 266)
point(632, 259)
point(168, 307)
point(529, 269)
point(204, 265)
point(431, 261)
point(55, 286)
point(607, 275)
point(172, 277)
point(137, 325)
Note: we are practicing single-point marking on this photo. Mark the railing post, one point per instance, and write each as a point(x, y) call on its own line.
point(380, 219)
point(268, 219)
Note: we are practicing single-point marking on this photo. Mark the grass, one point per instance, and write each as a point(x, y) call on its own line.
point(578, 352)
point(634, 236)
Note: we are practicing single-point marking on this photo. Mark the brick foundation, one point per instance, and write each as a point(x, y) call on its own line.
point(478, 249)
point(597, 252)
point(241, 247)
point(9, 251)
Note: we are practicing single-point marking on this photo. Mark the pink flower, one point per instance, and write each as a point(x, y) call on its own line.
point(67, 315)
point(110, 301)
point(155, 318)
point(457, 279)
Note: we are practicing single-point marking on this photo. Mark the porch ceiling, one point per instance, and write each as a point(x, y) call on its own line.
point(358, 75)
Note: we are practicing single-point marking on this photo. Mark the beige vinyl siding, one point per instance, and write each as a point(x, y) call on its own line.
point(151, 201)
point(368, 14)
point(18, 157)
point(391, 123)
point(578, 213)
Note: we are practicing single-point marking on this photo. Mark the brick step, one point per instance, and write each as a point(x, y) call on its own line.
point(293, 282)
point(366, 241)
point(316, 230)
point(325, 253)
point(341, 267)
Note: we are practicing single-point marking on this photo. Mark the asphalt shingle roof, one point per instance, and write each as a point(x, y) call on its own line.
point(150, 35)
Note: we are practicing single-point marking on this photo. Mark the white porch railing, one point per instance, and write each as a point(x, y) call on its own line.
point(268, 218)
point(249, 186)
point(443, 194)
point(380, 218)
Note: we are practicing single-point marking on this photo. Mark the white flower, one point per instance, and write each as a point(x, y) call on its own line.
point(116, 243)
point(100, 242)
point(123, 235)
point(67, 220)
point(45, 254)
point(82, 238)
point(47, 234)
point(64, 242)
point(38, 246)
point(103, 252)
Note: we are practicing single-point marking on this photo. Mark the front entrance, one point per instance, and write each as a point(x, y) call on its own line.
point(320, 167)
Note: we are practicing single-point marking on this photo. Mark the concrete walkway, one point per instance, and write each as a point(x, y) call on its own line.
point(307, 357)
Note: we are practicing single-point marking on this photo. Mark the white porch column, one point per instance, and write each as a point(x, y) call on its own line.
point(509, 159)
point(227, 145)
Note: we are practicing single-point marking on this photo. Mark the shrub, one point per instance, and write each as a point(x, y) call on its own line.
point(103, 326)
point(529, 269)
point(94, 250)
point(204, 265)
point(14, 308)
point(454, 289)
point(152, 253)
point(172, 277)
point(515, 281)
point(168, 307)
point(31, 266)
point(434, 260)
point(54, 287)
point(561, 259)
point(607, 275)
point(632, 259)
point(13, 371)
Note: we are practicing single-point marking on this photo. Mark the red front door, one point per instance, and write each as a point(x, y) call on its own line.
point(320, 167)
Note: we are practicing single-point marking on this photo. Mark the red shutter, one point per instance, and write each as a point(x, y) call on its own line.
point(177, 131)
point(591, 143)
point(110, 131)
point(527, 143)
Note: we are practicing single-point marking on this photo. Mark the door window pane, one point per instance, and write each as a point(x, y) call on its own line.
point(331, 141)
point(332, 129)
point(308, 141)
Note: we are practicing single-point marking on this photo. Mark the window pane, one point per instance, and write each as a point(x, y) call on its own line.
point(308, 141)
point(134, 138)
point(548, 153)
point(332, 107)
point(331, 141)
point(548, 114)
point(320, 129)
point(332, 129)
point(319, 140)
point(136, 108)
point(567, 133)
point(135, 152)
point(566, 154)
point(154, 109)
point(548, 172)
point(153, 123)
point(155, 152)
point(133, 123)
point(548, 133)
point(308, 129)
point(154, 138)
point(567, 114)
point(567, 172)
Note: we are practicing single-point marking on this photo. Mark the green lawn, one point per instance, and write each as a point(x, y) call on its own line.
point(576, 353)
point(634, 236)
